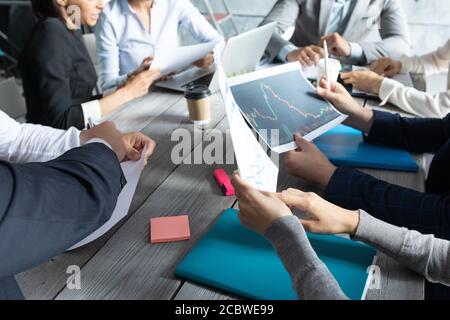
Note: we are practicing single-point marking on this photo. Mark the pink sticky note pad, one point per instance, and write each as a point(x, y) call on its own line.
point(169, 229)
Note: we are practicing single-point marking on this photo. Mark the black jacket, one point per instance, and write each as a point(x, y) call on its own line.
point(58, 75)
point(46, 208)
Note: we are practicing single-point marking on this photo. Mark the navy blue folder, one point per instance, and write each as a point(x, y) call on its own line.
point(344, 146)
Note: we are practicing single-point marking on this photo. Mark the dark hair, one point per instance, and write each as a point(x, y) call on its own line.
point(45, 9)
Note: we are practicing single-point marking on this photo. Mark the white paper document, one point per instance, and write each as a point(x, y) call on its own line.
point(309, 72)
point(174, 59)
point(132, 171)
point(255, 166)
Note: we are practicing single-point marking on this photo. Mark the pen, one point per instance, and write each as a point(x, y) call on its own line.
point(327, 70)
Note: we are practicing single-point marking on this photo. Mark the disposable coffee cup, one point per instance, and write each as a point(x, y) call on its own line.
point(199, 105)
point(334, 67)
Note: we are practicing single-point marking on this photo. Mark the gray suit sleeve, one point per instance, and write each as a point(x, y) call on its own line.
point(394, 33)
point(285, 13)
point(423, 254)
point(311, 278)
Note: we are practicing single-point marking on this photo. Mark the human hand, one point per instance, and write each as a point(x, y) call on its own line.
point(323, 216)
point(307, 56)
point(386, 67)
point(309, 163)
point(135, 143)
point(145, 65)
point(138, 85)
point(359, 117)
point(107, 132)
point(337, 45)
point(205, 62)
point(258, 210)
point(367, 81)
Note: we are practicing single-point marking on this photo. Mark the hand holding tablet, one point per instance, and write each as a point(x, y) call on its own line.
point(281, 100)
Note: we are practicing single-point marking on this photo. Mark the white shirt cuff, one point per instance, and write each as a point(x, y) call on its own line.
point(98, 140)
point(92, 112)
point(356, 52)
point(387, 88)
point(73, 138)
point(285, 51)
point(406, 64)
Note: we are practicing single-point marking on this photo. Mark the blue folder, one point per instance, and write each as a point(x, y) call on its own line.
point(344, 146)
point(235, 259)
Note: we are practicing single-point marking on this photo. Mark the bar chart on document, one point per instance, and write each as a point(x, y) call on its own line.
point(285, 102)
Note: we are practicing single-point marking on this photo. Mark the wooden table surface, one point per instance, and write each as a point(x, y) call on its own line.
point(123, 265)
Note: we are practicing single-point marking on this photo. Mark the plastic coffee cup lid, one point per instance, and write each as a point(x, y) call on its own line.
point(197, 92)
point(335, 64)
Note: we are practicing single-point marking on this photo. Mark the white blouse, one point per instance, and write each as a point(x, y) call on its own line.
point(417, 102)
point(123, 41)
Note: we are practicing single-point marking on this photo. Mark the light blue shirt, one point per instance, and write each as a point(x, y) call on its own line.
point(339, 12)
point(123, 42)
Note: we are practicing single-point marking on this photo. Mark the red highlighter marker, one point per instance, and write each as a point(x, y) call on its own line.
point(224, 182)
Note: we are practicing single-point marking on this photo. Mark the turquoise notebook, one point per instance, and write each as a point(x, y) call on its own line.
point(344, 146)
point(235, 259)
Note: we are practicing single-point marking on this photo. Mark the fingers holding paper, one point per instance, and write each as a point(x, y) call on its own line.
point(147, 61)
point(138, 85)
point(339, 97)
point(135, 144)
point(145, 65)
point(258, 210)
point(358, 117)
point(309, 163)
point(205, 62)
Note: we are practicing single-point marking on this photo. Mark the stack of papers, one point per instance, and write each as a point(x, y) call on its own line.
point(171, 60)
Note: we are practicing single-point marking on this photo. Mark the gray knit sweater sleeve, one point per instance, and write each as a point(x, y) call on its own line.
point(310, 277)
point(312, 280)
point(423, 254)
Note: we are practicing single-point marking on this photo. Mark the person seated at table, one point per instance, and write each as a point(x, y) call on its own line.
point(352, 30)
point(411, 100)
point(270, 215)
point(58, 74)
point(129, 32)
point(427, 212)
point(37, 220)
